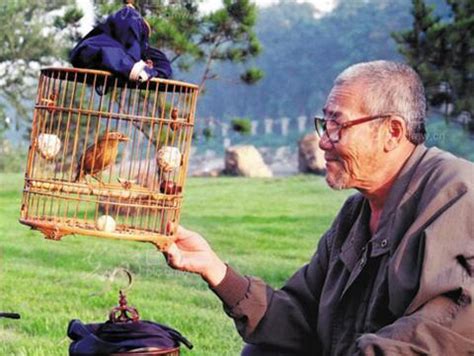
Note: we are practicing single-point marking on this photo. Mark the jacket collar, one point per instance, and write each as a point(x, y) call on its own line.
point(381, 241)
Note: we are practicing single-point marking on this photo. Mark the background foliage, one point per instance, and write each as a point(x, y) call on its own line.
point(190, 37)
point(441, 49)
point(299, 53)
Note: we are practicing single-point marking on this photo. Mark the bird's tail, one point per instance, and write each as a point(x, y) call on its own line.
point(78, 175)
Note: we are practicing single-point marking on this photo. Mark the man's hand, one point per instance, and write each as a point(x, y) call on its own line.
point(191, 253)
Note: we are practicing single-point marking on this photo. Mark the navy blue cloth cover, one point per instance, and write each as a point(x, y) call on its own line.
point(106, 338)
point(117, 44)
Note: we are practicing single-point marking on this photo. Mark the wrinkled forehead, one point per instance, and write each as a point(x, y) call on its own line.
point(345, 100)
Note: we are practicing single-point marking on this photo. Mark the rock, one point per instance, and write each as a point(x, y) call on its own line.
point(283, 160)
point(245, 161)
point(310, 156)
point(212, 173)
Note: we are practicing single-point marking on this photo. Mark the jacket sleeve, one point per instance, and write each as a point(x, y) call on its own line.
point(441, 327)
point(284, 318)
point(439, 320)
point(161, 63)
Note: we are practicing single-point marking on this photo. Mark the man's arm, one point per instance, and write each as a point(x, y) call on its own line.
point(285, 318)
point(191, 253)
point(440, 327)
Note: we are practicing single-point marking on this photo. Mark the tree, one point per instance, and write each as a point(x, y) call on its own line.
point(304, 54)
point(29, 40)
point(32, 36)
point(441, 50)
point(242, 125)
point(225, 35)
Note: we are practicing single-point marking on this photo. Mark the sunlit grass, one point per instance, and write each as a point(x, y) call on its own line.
point(266, 228)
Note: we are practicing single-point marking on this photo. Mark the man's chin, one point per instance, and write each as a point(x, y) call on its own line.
point(336, 183)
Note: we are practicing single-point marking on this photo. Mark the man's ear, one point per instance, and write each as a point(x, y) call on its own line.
point(396, 132)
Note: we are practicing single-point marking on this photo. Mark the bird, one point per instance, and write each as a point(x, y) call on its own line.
point(100, 155)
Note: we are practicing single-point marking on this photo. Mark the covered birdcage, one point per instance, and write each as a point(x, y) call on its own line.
point(108, 157)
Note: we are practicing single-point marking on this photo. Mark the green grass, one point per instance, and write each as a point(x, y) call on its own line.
point(266, 228)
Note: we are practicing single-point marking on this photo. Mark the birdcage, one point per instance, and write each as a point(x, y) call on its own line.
point(108, 157)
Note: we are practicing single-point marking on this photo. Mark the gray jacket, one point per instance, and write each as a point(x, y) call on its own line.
point(408, 289)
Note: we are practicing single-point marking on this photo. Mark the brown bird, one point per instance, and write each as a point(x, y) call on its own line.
point(100, 155)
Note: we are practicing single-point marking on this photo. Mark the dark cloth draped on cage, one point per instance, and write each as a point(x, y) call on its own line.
point(106, 338)
point(120, 45)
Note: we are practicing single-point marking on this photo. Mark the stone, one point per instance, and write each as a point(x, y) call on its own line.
point(208, 173)
point(245, 161)
point(310, 156)
point(254, 124)
point(285, 161)
point(268, 126)
point(301, 123)
point(225, 129)
point(285, 124)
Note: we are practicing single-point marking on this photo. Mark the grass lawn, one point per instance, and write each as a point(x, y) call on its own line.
point(266, 228)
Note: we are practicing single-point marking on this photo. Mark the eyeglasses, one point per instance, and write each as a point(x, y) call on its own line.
point(333, 128)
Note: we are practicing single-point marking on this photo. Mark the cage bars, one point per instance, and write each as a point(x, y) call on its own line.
point(124, 127)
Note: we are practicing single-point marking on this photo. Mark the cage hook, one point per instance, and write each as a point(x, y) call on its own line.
point(123, 313)
point(127, 273)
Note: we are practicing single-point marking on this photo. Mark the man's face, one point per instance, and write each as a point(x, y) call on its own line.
point(353, 161)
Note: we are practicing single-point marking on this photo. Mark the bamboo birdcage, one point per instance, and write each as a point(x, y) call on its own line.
point(108, 157)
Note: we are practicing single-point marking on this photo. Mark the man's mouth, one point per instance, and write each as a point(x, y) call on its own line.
point(331, 159)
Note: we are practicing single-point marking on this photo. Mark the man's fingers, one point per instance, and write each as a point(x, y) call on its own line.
point(188, 240)
point(183, 233)
point(173, 256)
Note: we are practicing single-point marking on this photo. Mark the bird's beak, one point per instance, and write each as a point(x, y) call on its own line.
point(124, 138)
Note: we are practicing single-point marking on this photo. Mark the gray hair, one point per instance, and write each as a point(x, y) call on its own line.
point(391, 87)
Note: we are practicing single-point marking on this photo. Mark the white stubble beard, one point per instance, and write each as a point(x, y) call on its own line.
point(340, 178)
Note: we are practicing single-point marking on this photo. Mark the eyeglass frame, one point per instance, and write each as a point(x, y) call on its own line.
point(344, 125)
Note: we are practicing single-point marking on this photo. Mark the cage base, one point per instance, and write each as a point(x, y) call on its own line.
point(55, 230)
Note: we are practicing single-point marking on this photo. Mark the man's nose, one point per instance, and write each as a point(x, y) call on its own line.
point(325, 143)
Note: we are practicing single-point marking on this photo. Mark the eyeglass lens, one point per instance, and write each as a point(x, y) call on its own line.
point(330, 127)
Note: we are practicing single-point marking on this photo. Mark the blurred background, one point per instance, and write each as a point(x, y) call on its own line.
point(264, 66)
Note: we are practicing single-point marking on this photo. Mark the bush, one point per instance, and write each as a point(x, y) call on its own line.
point(242, 126)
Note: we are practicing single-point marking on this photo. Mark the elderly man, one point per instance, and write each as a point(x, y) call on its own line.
point(394, 274)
